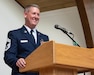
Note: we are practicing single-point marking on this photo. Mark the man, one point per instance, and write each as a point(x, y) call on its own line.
point(22, 42)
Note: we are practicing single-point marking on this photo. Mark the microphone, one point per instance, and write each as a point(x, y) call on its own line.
point(67, 33)
point(63, 29)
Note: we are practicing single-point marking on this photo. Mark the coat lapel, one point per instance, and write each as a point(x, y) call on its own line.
point(27, 35)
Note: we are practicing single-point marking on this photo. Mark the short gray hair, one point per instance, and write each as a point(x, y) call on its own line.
point(29, 6)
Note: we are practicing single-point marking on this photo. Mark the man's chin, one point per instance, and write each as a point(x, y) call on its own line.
point(33, 25)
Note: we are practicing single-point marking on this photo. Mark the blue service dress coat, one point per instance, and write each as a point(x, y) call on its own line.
point(20, 45)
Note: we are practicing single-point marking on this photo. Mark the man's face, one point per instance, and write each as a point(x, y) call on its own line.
point(32, 17)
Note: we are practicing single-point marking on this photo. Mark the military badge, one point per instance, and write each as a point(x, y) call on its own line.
point(8, 44)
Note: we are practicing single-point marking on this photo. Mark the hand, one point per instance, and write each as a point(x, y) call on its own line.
point(21, 63)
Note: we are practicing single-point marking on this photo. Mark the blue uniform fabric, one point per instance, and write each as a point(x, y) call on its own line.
point(21, 45)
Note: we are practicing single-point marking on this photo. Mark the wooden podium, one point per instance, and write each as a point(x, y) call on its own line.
point(58, 59)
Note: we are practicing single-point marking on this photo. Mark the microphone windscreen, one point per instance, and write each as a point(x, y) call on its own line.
point(56, 26)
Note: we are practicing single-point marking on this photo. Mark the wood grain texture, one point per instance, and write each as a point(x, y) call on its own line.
point(57, 71)
point(85, 12)
point(52, 54)
point(47, 5)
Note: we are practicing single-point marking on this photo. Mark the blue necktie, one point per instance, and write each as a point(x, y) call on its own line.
point(32, 36)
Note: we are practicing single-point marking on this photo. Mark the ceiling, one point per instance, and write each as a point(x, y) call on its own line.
point(46, 5)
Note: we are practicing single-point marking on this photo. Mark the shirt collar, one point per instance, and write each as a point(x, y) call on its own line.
point(28, 29)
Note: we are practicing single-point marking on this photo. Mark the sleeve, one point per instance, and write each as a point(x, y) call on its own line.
point(46, 38)
point(10, 54)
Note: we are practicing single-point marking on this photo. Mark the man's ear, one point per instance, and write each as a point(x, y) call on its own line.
point(25, 14)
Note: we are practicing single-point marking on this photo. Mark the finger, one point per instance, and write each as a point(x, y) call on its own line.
point(21, 63)
point(18, 64)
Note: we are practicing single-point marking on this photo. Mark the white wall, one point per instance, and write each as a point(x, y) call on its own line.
point(11, 17)
point(67, 18)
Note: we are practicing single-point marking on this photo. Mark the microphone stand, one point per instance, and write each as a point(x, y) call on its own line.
point(64, 30)
point(71, 38)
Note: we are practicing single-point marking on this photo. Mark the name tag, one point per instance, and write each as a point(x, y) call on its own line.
point(24, 41)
